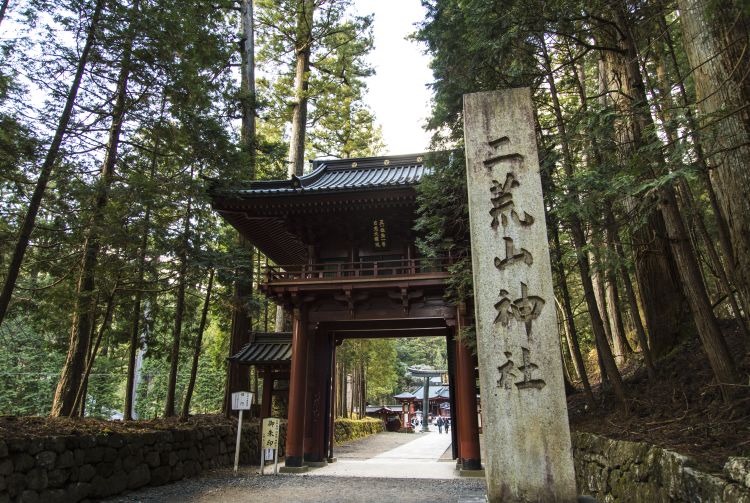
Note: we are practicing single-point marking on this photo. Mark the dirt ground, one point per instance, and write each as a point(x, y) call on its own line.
point(682, 411)
point(222, 486)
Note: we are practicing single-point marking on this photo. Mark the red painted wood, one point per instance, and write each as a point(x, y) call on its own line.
point(296, 424)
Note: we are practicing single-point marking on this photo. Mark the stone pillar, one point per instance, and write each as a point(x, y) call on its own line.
point(296, 424)
point(426, 405)
point(466, 423)
point(266, 403)
point(528, 453)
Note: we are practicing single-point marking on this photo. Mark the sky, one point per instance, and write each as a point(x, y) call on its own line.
point(397, 93)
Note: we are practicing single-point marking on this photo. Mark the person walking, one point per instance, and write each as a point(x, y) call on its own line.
point(440, 424)
point(447, 424)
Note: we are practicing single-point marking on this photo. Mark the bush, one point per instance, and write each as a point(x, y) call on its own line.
point(350, 429)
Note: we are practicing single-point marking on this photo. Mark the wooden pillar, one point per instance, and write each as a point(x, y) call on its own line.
point(467, 424)
point(266, 403)
point(332, 408)
point(296, 423)
point(451, 353)
point(318, 364)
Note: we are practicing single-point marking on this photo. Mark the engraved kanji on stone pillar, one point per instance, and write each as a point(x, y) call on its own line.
point(508, 376)
point(518, 346)
point(513, 255)
point(525, 309)
point(502, 203)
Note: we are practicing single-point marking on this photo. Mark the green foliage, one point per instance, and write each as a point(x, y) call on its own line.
point(29, 371)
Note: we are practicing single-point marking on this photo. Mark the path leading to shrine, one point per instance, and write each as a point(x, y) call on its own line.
point(416, 456)
point(385, 467)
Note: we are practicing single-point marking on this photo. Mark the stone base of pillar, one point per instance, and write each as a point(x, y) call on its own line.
point(310, 458)
point(471, 473)
point(287, 468)
point(470, 465)
point(294, 461)
point(316, 464)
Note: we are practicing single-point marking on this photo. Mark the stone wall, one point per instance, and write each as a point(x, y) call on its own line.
point(350, 429)
point(620, 471)
point(76, 467)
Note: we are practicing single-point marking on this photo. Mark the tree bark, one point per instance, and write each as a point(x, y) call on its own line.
point(654, 272)
point(238, 375)
point(687, 266)
point(78, 404)
point(302, 49)
point(708, 328)
point(601, 295)
point(619, 340)
point(70, 377)
point(134, 344)
point(687, 201)
point(24, 234)
point(632, 300)
point(704, 169)
point(247, 83)
point(716, 37)
point(3, 9)
point(197, 348)
point(571, 331)
point(579, 241)
point(169, 406)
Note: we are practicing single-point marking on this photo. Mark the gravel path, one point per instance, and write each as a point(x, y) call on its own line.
point(222, 486)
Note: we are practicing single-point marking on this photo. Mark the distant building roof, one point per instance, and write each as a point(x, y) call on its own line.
point(266, 348)
point(404, 396)
point(435, 392)
point(382, 409)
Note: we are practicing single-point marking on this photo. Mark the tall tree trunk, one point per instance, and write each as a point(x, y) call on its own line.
point(135, 328)
point(73, 368)
point(716, 37)
point(612, 296)
point(632, 300)
point(238, 375)
point(169, 406)
point(78, 404)
point(571, 332)
point(721, 225)
point(687, 266)
point(302, 49)
point(197, 348)
point(600, 294)
point(708, 328)
point(686, 198)
point(247, 83)
point(24, 234)
point(657, 282)
point(579, 241)
point(3, 9)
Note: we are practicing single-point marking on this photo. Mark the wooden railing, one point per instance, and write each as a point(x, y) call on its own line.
point(350, 270)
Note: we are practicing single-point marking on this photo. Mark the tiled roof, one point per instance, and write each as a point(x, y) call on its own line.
point(346, 175)
point(266, 348)
point(435, 392)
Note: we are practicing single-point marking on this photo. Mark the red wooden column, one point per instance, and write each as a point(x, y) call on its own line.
point(317, 363)
point(468, 426)
point(267, 400)
point(295, 432)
